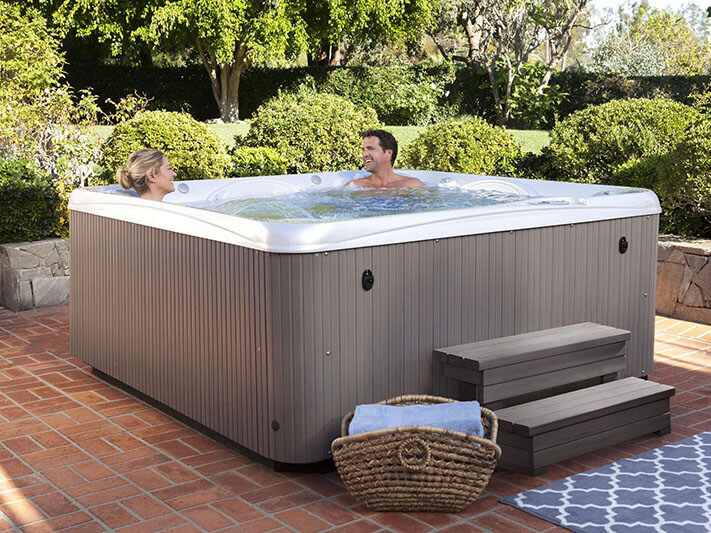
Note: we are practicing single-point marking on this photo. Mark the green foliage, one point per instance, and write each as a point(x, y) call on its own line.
point(127, 107)
point(40, 120)
point(179, 88)
point(194, 152)
point(471, 146)
point(656, 144)
point(530, 107)
point(30, 61)
point(269, 29)
point(121, 26)
point(393, 21)
point(400, 95)
point(313, 132)
point(28, 203)
point(534, 166)
point(502, 35)
point(683, 183)
point(650, 42)
point(256, 161)
point(230, 35)
point(592, 144)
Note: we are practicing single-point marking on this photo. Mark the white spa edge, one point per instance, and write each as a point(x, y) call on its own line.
point(550, 203)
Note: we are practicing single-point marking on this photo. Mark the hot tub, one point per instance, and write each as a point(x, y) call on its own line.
point(265, 333)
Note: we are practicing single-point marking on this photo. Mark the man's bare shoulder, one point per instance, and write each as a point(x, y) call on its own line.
point(407, 181)
point(360, 182)
point(401, 182)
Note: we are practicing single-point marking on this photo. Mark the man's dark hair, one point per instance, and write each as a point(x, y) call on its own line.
point(387, 141)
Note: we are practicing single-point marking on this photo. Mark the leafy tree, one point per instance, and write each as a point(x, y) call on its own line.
point(335, 27)
point(230, 35)
point(30, 60)
point(119, 26)
point(652, 42)
point(502, 35)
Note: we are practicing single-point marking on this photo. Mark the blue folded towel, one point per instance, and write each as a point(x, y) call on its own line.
point(457, 416)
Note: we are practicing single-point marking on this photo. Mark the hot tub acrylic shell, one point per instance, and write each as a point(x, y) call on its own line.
point(270, 342)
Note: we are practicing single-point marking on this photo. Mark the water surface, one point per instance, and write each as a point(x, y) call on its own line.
point(328, 205)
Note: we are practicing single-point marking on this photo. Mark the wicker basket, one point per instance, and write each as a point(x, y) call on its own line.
point(416, 468)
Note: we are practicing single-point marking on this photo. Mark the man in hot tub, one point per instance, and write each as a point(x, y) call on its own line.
point(379, 153)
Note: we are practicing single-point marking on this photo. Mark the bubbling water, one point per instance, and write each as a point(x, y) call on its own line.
point(330, 205)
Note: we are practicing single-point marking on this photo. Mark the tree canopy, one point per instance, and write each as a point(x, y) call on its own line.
point(30, 60)
point(653, 42)
point(231, 35)
point(330, 22)
point(502, 35)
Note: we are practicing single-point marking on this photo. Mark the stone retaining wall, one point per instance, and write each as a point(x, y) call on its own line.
point(34, 274)
point(684, 279)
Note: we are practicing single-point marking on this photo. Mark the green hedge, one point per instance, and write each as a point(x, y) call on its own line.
point(193, 150)
point(460, 89)
point(28, 203)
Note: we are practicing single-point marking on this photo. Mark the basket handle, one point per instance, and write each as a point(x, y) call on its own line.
point(414, 454)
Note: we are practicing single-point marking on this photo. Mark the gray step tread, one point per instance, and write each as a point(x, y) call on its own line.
point(551, 413)
point(527, 346)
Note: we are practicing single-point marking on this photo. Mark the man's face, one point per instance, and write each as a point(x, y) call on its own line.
point(374, 157)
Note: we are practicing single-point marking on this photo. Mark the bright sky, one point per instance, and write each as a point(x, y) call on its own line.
point(601, 4)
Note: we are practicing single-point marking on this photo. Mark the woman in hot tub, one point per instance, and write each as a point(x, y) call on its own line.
point(379, 153)
point(148, 172)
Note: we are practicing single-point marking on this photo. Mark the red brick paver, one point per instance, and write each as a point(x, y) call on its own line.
point(79, 454)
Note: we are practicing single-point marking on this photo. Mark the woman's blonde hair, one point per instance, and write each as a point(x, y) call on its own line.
point(139, 164)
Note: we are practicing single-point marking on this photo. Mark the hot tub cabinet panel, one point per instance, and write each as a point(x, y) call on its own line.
point(272, 349)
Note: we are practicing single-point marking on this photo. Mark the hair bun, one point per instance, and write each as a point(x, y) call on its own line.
point(123, 178)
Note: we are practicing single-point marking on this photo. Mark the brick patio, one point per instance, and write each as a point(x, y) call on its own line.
point(77, 454)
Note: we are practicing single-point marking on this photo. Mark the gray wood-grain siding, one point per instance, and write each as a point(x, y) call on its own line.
point(236, 338)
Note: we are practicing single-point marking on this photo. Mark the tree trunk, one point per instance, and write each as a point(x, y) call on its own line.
point(472, 41)
point(322, 56)
point(145, 56)
point(225, 79)
point(336, 59)
point(229, 102)
point(491, 69)
point(506, 111)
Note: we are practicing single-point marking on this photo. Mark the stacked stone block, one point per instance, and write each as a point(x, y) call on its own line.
point(684, 279)
point(34, 274)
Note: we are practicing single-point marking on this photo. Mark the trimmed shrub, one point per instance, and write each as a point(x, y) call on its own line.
point(194, 151)
point(534, 166)
point(681, 178)
point(256, 161)
point(314, 132)
point(471, 146)
point(593, 144)
point(28, 203)
point(685, 205)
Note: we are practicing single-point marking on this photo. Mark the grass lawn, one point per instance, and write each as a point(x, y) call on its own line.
point(531, 140)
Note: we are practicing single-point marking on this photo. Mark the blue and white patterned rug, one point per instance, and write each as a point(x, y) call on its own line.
point(667, 489)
